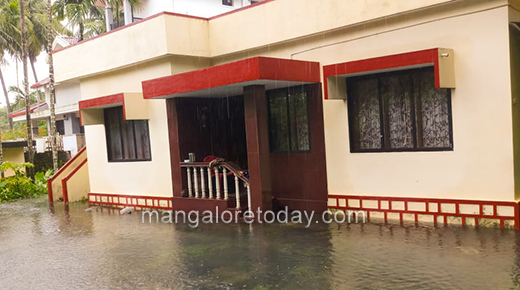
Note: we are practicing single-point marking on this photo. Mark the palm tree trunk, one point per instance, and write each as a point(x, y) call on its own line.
point(54, 146)
point(38, 92)
point(30, 157)
point(7, 103)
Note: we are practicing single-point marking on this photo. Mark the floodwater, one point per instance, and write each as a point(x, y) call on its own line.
point(100, 249)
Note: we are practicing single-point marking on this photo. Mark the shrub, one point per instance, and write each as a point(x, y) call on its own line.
point(19, 186)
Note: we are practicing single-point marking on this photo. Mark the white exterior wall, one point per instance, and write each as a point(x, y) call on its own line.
point(200, 8)
point(67, 94)
point(481, 165)
point(151, 7)
point(144, 177)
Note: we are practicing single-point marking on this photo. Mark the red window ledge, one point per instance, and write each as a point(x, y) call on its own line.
point(440, 58)
point(134, 107)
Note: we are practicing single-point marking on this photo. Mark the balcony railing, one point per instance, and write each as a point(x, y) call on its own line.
point(206, 180)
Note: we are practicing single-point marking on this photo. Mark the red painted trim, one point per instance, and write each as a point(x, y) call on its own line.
point(182, 15)
point(240, 9)
point(429, 56)
point(41, 83)
point(427, 201)
point(101, 101)
point(66, 178)
point(49, 190)
point(256, 68)
point(129, 201)
point(52, 178)
point(23, 111)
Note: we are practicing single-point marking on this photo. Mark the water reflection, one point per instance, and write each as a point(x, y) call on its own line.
point(49, 248)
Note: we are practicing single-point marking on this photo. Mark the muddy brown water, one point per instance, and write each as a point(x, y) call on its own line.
point(78, 249)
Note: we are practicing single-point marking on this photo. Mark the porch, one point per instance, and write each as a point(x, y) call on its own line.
point(254, 131)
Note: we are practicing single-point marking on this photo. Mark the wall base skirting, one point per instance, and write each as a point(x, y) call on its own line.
point(443, 211)
point(135, 201)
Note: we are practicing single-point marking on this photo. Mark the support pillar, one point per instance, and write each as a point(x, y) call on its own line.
point(127, 10)
point(109, 17)
point(255, 111)
point(173, 134)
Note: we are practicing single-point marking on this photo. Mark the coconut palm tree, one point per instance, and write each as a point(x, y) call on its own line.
point(6, 94)
point(9, 42)
point(23, 29)
point(82, 15)
point(50, 37)
point(38, 34)
point(36, 31)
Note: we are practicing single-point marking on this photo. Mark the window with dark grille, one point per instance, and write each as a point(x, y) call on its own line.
point(227, 2)
point(126, 140)
point(399, 111)
point(288, 120)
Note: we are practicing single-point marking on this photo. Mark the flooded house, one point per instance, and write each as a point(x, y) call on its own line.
point(401, 109)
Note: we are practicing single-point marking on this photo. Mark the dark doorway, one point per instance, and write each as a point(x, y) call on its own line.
point(213, 127)
point(60, 127)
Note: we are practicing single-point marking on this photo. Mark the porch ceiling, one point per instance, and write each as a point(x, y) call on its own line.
point(230, 79)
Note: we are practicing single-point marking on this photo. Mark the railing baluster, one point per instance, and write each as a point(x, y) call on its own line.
point(196, 181)
point(237, 191)
point(188, 169)
point(217, 184)
point(224, 177)
point(210, 184)
point(197, 188)
point(249, 198)
point(202, 183)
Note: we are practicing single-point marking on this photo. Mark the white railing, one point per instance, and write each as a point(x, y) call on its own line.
point(205, 181)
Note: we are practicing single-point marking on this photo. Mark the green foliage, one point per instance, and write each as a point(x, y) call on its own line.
point(19, 186)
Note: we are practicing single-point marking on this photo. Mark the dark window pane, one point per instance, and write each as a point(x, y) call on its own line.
point(435, 112)
point(298, 116)
point(113, 132)
point(366, 118)
point(399, 111)
point(396, 91)
point(279, 121)
point(126, 140)
point(142, 140)
point(288, 120)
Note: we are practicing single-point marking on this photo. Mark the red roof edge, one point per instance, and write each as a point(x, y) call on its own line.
point(41, 83)
point(256, 68)
point(31, 109)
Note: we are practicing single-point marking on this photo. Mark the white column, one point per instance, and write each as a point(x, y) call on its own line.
point(210, 184)
point(249, 197)
point(202, 183)
point(108, 16)
point(217, 184)
point(224, 177)
point(237, 191)
point(127, 9)
point(196, 181)
point(189, 182)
